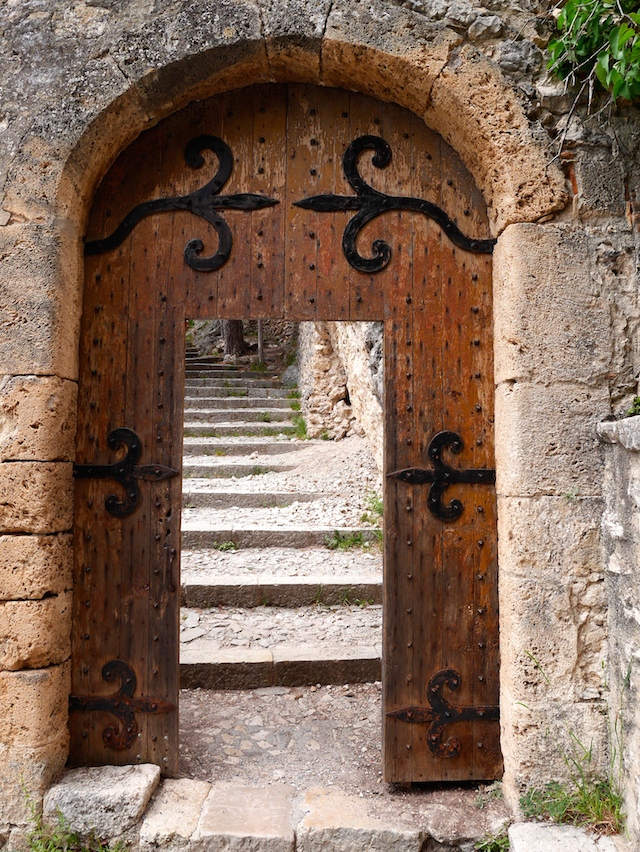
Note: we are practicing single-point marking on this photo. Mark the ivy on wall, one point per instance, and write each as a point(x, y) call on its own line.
point(598, 44)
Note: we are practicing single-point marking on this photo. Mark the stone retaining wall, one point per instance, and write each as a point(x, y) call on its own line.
point(80, 81)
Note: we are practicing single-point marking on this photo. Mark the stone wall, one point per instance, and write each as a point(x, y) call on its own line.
point(80, 81)
point(622, 580)
point(341, 381)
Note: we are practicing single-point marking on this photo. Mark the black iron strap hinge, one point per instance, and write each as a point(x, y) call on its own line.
point(369, 204)
point(122, 705)
point(203, 202)
point(442, 476)
point(442, 713)
point(126, 472)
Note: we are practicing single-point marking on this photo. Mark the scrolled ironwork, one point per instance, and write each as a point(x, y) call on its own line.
point(370, 204)
point(442, 713)
point(125, 471)
point(441, 476)
point(203, 202)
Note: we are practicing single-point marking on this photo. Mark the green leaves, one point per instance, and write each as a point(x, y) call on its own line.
point(599, 42)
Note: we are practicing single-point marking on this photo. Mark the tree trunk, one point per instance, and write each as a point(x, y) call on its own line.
point(233, 333)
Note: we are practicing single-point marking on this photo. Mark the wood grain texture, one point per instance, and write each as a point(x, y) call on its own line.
point(440, 577)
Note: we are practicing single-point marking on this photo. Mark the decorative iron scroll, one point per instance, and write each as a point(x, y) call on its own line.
point(202, 202)
point(442, 476)
point(125, 471)
point(442, 713)
point(370, 204)
point(122, 705)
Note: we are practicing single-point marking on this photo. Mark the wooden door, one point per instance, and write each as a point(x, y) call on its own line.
point(302, 203)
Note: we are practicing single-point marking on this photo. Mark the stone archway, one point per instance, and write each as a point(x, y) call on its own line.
point(387, 52)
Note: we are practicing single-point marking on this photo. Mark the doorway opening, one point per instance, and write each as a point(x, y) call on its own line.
point(281, 623)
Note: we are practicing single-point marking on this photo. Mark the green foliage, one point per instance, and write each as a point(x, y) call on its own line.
point(344, 541)
point(295, 405)
point(224, 546)
point(325, 436)
point(294, 393)
point(300, 427)
point(598, 43)
point(635, 407)
point(60, 838)
point(265, 417)
point(259, 366)
point(493, 843)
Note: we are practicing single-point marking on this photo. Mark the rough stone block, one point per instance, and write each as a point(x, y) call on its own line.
point(39, 299)
point(173, 814)
point(27, 770)
point(244, 819)
point(107, 800)
point(479, 114)
point(601, 183)
point(338, 822)
point(538, 837)
point(293, 31)
point(34, 706)
point(35, 566)
point(35, 634)
point(387, 52)
point(36, 497)
point(211, 49)
point(551, 319)
point(37, 418)
point(546, 439)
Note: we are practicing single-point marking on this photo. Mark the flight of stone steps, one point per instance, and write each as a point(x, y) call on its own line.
point(265, 601)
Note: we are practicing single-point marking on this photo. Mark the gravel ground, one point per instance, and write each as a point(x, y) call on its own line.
point(268, 627)
point(326, 512)
point(326, 736)
point(197, 565)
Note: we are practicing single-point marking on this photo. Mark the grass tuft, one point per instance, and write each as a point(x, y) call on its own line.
point(344, 541)
point(300, 427)
point(224, 546)
point(60, 838)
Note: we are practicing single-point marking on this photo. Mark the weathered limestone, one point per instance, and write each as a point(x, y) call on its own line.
point(36, 497)
point(293, 32)
point(35, 634)
point(340, 822)
point(482, 119)
point(172, 816)
point(551, 318)
point(402, 52)
point(621, 535)
point(39, 304)
point(243, 819)
point(37, 418)
point(532, 837)
point(34, 740)
point(105, 800)
point(34, 566)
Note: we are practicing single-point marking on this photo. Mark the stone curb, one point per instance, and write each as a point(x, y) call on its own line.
point(254, 668)
point(265, 590)
point(211, 446)
point(240, 427)
point(213, 471)
point(238, 402)
point(226, 415)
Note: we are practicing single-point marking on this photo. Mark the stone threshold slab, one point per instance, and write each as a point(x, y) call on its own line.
point(237, 428)
point(223, 415)
point(271, 590)
point(209, 667)
point(235, 402)
point(221, 447)
point(211, 536)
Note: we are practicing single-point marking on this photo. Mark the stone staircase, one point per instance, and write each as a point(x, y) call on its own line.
point(265, 601)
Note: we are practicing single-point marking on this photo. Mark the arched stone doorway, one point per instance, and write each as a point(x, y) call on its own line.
point(292, 202)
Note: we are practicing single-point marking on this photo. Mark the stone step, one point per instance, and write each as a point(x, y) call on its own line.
point(235, 402)
point(240, 447)
point(237, 429)
point(273, 590)
point(225, 372)
point(238, 392)
point(197, 535)
point(247, 415)
point(213, 382)
point(238, 648)
point(344, 566)
point(214, 498)
point(209, 468)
